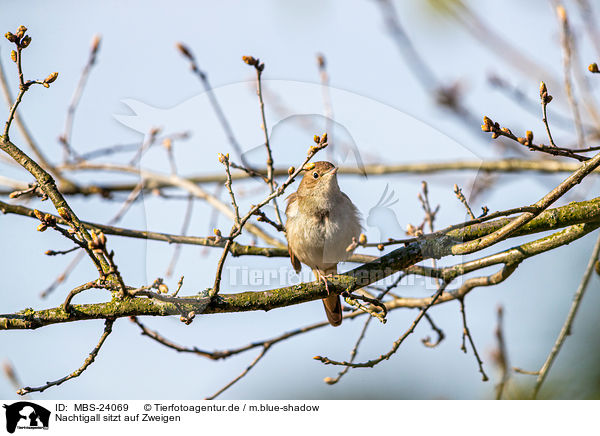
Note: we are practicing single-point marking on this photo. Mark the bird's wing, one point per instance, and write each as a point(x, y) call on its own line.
point(295, 262)
point(290, 211)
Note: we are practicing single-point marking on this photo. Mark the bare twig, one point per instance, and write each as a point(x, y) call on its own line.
point(187, 53)
point(566, 40)
point(574, 179)
point(187, 218)
point(502, 166)
point(63, 275)
point(440, 334)
point(397, 343)
point(263, 218)
point(32, 189)
point(467, 333)
point(524, 371)
point(149, 140)
point(589, 20)
point(65, 138)
point(521, 98)
point(44, 179)
point(97, 284)
point(379, 313)
point(501, 356)
point(243, 373)
point(566, 328)
point(463, 200)
point(59, 252)
point(131, 198)
point(151, 177)
point(361, 336)
point(40, 156)
point(88, 361)
point(429, 215)
point(527, 141)
point(259, 67)
point(545, 99)
point(327, 103)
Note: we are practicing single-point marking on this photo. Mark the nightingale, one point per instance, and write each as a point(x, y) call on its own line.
point(321, 224)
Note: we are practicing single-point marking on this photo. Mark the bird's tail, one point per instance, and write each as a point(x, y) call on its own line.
point(333, 303)
point(333, 309)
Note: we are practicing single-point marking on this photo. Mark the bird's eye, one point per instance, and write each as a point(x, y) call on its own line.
point(316, 175)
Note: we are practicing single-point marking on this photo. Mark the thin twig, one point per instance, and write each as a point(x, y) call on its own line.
point(187, 219)
point(179, 285)
point(440, 334)
point(88, 361)
point(63, 275)
point(467, 333)
point(566, 40)
point(149, 140)
point(524, 371)
point(379, 313)
point(521, 98)
point(499, 235)
point(65, 138)
point(327, 103)
point(463, 200)
point(97, 284)
point(259, 67)
point(502, 166)
point(334, 380)
point(396, 344)
point(59, 252)
point(166, 342)
point(187, 53)
point(566, 328)
point(263, 218)
point(501, 356)
point(429, 216)
point(131, 198)
point(527, 141)
point(235, 229)
point(545, 99)
point(151, 178)
point(41, 157)
point(32, 189)
point(243, 373)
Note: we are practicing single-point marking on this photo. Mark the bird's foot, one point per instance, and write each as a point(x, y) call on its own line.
point(324, 279)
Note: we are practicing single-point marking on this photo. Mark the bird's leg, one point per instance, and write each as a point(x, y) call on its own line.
point(322, 278)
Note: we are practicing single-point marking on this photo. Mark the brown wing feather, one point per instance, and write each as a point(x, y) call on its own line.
point(295, 262)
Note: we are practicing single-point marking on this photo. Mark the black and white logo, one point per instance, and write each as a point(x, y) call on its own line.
point(26, 415)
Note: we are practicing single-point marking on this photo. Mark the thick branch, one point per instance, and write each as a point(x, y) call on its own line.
point(397, 260)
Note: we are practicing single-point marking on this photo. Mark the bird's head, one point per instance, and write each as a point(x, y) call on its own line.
point(320, 180)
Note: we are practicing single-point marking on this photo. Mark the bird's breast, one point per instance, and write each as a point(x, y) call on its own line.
point(319, 236)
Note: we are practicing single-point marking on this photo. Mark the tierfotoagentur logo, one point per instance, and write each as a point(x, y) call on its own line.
point(25, 415)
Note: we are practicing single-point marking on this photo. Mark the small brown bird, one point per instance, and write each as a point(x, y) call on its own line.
point(321, 222)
